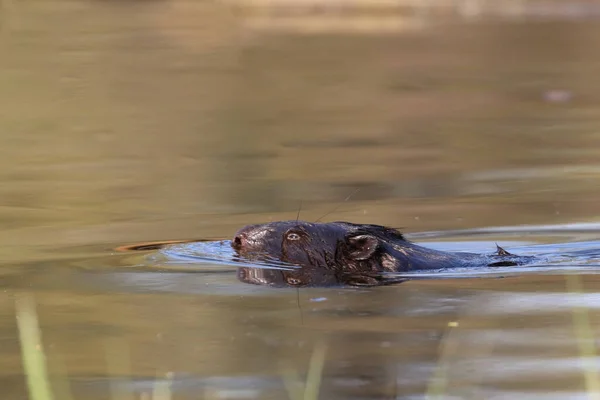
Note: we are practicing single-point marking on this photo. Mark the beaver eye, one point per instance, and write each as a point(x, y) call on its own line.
point(294, 281)
point(292, 236)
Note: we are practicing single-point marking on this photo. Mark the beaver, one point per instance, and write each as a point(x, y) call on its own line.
point(345, 253)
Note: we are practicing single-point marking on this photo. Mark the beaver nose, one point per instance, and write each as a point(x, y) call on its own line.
point(238, 241)
point(244, 237)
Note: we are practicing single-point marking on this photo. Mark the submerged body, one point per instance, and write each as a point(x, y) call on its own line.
point(343, 253)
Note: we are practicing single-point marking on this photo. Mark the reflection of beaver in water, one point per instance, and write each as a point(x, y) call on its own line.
point(342, 253)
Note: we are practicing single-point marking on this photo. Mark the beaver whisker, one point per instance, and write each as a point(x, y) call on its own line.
point(339, 204)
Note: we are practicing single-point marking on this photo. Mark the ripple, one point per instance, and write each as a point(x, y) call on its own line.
point(557, 258)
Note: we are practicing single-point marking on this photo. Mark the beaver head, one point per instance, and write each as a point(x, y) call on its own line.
point(324, 253)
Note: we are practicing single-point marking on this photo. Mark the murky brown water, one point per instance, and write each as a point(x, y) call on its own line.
point(123, 122)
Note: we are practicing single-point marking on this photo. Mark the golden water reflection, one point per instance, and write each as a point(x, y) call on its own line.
point(133, 121)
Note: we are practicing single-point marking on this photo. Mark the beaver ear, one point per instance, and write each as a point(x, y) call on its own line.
point(362, 247)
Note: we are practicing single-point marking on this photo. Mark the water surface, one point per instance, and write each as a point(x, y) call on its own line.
point(125, 122)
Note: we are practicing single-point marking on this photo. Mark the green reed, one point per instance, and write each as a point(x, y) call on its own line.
point(32, 351)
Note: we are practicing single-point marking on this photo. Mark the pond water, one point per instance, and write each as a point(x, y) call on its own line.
point(140, 121)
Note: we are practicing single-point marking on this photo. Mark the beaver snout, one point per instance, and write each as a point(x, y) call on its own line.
point(240, 240)
point(237, 241)
point(247, 237)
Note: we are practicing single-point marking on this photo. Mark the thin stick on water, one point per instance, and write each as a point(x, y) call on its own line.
point(34, 358)
point(315, 372)
point(339, 204)
point(585, 341)
point(436, 389)
point(292, 381)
